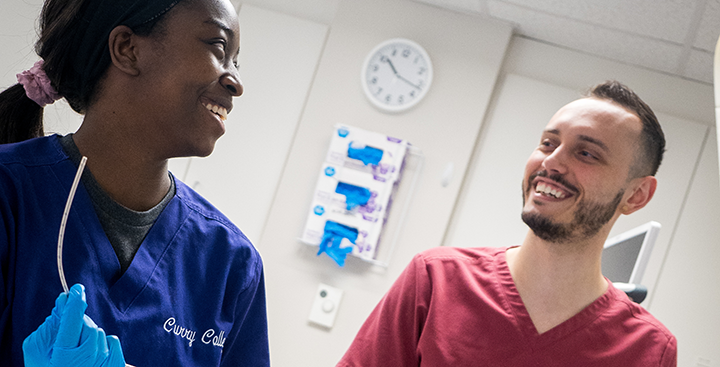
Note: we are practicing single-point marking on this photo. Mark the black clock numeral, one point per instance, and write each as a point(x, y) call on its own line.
point(412, 93)
point(375, 67)
point(383, 58)
point(406, 53)
point(379, 90)
point(394, 52)
point(400, 99)
point(422, 71)
point(388, 98)
point(373, 80)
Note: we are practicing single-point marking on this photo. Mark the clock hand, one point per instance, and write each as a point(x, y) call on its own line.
point(407, 81)
point(398, 75)
point(391, 65)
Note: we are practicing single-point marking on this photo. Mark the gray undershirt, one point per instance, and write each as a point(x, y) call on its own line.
point(125, 228)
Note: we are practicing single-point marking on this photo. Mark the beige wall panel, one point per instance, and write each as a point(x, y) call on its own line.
point(466, 53)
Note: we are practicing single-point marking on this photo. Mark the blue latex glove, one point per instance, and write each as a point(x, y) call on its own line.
point(68, 337)
point(354, 195)
point(330, 244)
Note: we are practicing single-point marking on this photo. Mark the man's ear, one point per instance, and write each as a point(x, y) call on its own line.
point(643, 189)
point(123, 50)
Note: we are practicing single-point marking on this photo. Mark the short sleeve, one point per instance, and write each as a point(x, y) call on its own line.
point(250, 342)
point(389, 336)
point(669, 358)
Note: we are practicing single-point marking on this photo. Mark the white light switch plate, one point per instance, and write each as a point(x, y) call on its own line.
point(325, 306)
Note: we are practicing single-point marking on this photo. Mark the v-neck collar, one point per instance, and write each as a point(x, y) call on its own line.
point(149, 255)
point(522, 316)
point(125, 228)
point(123, 290)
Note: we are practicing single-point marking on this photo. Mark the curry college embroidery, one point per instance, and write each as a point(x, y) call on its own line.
point(208, 337)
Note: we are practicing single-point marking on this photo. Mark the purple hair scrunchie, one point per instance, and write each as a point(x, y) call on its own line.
point(37, 85)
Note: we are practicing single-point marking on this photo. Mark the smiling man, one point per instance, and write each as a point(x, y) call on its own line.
point(546, 302)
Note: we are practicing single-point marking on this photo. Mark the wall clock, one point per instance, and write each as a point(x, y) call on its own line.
point(396, 75)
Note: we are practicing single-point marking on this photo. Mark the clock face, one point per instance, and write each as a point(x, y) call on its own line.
point(396, 75)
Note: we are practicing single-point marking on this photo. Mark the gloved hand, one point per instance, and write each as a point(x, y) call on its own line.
point(68, 337)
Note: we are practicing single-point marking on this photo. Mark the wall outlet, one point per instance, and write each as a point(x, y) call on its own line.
point(325, 306)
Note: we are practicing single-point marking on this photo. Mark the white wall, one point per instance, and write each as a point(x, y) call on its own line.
point(318, 11)
point(687, 297)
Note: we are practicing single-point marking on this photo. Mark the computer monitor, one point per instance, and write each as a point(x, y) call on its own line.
point(626, 255)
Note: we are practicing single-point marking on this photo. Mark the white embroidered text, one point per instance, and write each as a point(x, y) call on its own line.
point(180, 331)
point(216, 340)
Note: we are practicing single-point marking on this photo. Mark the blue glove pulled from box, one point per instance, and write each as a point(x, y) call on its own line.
point(333, 236)
point(68, 337)
point(354, 195)
point(364, 153)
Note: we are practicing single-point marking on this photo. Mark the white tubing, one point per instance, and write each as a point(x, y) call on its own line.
point(61, 236)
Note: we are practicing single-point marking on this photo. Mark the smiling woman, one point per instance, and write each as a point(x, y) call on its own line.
point(175, 76)
point(154, 80)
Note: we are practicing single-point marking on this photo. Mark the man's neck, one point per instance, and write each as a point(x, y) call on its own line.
point(556, 281)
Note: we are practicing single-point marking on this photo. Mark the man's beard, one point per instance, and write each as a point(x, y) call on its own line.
point(590, 217)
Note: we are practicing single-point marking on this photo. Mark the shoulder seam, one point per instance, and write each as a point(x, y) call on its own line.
point(203, 213)
point(650, 321)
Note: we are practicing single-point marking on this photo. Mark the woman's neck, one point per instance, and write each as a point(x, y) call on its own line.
point(124, 165)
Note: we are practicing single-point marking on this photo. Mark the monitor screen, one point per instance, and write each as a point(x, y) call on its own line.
point(625, 256)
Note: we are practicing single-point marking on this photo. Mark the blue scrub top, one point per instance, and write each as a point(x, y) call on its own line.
point(194, 294)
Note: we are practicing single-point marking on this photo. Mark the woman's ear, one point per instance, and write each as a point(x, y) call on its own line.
point(123, 50)
point(643, 189)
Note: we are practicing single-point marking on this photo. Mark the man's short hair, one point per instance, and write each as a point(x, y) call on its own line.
point(651, 137)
